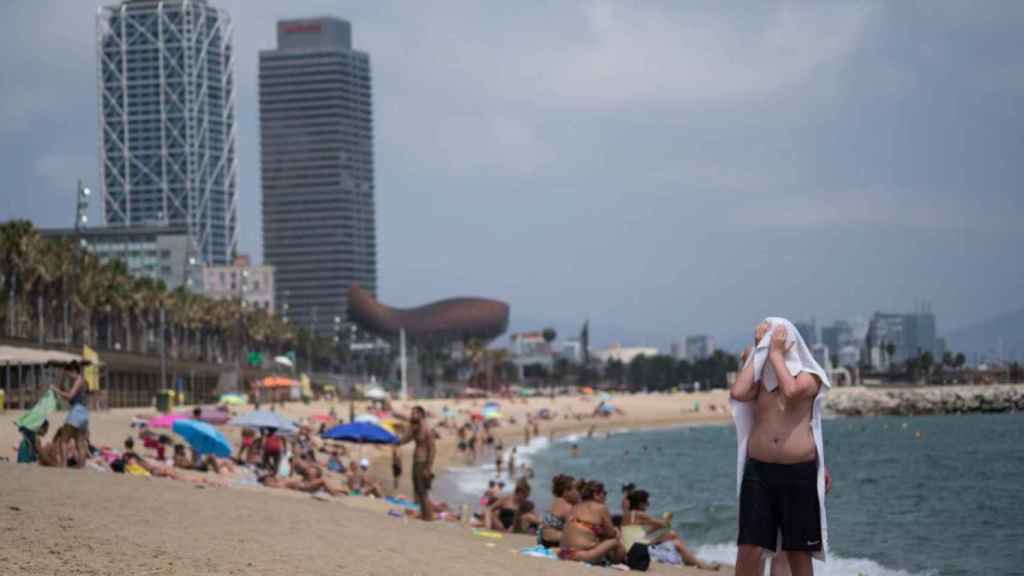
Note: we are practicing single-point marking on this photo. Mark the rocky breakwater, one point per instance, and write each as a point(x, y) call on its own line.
point(927, 400)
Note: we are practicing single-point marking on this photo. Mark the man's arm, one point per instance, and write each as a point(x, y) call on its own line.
point(745, 388)
point(651, 522)
point(407, 437)
point(804, 385)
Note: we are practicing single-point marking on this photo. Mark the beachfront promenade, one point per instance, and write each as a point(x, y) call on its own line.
point(63, 521)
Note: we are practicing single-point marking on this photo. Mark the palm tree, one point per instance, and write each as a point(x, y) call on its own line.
point(49, 283)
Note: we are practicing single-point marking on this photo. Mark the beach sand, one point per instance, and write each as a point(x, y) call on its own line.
point(86, 522)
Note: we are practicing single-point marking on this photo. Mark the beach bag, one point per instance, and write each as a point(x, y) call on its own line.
point(638, 558)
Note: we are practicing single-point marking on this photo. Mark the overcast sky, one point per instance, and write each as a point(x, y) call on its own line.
point(662, 168)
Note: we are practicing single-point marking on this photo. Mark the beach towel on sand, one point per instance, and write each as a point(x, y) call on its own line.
point(539, 552)
point(798, 359)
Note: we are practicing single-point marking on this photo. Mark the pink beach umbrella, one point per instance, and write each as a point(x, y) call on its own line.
point(167, 420)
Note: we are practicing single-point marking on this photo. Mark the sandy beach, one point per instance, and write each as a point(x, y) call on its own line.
point(89, 522)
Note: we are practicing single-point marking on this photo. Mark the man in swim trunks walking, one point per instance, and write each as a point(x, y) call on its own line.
point(422, 460)
point(778, 491)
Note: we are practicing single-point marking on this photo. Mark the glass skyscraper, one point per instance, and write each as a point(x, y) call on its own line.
point(167, 120)
point(316, 135)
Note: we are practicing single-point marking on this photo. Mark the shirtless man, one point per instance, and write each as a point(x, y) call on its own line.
point(422, 460)
point(779, 486)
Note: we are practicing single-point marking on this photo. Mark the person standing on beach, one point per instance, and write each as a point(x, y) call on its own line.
point(776, 407)
point(77, 424)
point(422, 460)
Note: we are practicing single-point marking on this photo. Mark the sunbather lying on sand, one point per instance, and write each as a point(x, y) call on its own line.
point(201, 462)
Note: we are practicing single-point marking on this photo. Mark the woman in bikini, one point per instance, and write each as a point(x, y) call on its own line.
point(563, 488)
point(665, 543)
point(504, 514)
point(589, 534)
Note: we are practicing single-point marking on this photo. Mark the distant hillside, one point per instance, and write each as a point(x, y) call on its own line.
point(999, 336)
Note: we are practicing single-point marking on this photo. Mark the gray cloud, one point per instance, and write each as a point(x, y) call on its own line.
point(662, 169)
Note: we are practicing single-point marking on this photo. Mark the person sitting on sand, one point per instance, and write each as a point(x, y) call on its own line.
point(31, 443)
point(54, 453)
point(245, 449)
point(274, 447)
point(492, 494)
point(528, 521)
point(563, 488)
point(199, 462)
point(334, 463)
point(589, 535)
point(503, 515)
point(130, 458)
point(666, 546)
point(359, 484)
point(312, 477)
point(626, 489)
point(153, 442)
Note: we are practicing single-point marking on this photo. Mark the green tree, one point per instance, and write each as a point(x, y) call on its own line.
point(615, 371)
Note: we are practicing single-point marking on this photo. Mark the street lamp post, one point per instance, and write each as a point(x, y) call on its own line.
point(81, 219)
point(163, 347)
point(242, 277)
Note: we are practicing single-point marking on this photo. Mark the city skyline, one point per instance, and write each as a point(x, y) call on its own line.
point(591, 166)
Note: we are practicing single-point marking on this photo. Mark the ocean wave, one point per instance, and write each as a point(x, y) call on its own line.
point(471, 481)
point(836, 565)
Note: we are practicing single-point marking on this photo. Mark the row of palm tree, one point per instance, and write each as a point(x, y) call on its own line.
point(55, 291)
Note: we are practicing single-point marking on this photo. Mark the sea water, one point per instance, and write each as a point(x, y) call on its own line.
point(922, 495)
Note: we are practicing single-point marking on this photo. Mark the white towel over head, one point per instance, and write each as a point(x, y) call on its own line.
point(798, 356)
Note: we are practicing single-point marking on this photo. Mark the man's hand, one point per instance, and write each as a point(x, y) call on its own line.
point(759, 331)
point(778, 343)
point(828, 481)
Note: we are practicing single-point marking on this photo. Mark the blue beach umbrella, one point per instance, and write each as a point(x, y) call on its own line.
point(361, 432)
point(265, 419)
point(203, 438)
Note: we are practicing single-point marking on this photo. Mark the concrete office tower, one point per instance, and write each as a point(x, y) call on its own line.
point(167, 120)
point(316, 126)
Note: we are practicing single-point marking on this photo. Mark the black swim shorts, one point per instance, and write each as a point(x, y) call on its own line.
point(421, 479)
point(780, 498)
